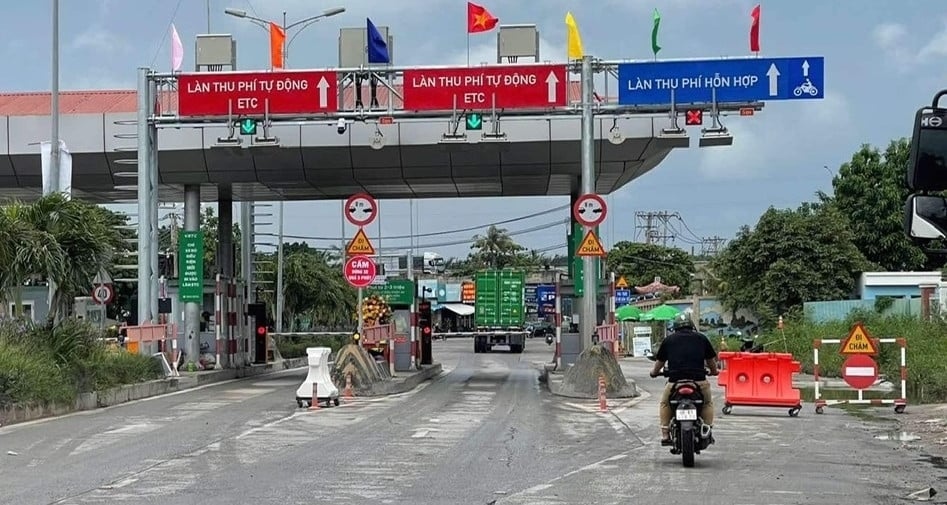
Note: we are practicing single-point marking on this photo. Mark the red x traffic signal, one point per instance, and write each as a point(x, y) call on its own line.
point(695, 117)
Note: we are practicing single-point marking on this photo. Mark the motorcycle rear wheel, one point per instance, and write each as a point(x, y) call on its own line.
point(687, 446)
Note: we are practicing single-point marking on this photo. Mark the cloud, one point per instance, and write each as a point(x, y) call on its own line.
point(100, 40)
point(487, 53)
point(780, 134)
point(895, 41)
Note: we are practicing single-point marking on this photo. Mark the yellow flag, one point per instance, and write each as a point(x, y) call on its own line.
point(575, 41)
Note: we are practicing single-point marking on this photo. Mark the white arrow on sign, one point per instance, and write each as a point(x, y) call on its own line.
point(551, 82)
point(773, 74)
point(323, 92)
point(805, 68)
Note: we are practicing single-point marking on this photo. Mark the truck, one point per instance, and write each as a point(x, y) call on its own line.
point(500, 310)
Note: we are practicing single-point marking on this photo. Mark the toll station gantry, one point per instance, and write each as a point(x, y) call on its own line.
point(509, 129)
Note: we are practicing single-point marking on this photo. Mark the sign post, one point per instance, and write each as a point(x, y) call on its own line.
point(257, 93)
point(480, 88)
point(728, 80)
point(191, 267)
point(860, 370)
point(360, 209)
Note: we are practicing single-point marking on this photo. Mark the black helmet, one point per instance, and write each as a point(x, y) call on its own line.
point(682, 321)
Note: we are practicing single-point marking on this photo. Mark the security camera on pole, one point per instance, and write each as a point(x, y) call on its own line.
point(360, 270)
point(589, 211)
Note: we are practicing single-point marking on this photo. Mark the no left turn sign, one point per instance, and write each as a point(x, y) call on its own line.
point(103, 294)
point(360, 209)
point(589, 210)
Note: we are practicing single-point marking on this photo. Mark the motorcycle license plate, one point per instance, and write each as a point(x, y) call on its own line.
point(687, 415)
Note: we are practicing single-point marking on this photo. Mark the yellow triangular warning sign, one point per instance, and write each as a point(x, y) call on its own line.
point(360, 245)
point(858, 342)
point(590, 246)
point(621, 283)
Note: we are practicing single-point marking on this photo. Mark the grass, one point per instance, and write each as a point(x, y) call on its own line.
point(926, 349)
point(55, 364)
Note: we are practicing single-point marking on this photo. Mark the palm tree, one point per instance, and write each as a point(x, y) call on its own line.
point(25, 252)
point(495, 249)
point(68, 242)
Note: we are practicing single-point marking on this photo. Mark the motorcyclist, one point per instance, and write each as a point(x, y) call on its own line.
point(686, 352)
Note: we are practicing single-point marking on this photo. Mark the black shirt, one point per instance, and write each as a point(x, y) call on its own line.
point(685, 353)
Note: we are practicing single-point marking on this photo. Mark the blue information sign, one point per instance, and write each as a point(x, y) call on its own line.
point(622, 297)
point(736, 80)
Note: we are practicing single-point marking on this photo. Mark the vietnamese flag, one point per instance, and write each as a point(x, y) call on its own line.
point(755, 30)
point(479, 19)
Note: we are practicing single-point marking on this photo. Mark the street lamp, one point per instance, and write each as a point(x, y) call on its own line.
point(302, 24)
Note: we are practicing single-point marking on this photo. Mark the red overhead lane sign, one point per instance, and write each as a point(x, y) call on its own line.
point(514, 86)
point(246, 93)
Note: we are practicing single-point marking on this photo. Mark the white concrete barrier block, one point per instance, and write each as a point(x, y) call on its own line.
point(318, 374)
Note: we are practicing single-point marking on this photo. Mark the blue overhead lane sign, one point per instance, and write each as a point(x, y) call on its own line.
point(736, 80)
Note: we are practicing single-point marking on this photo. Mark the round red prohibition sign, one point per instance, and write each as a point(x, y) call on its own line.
point(360, 271)
point(589, 210)
point(860, 371)
point(103, 294)
point(360, 209)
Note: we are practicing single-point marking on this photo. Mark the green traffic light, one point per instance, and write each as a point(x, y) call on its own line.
point(474, 121)
point(247, 127)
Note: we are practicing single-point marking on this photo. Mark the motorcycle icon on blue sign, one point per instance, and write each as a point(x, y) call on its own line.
point(806, 88)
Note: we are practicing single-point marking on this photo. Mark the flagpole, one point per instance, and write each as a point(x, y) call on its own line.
point(468, 49)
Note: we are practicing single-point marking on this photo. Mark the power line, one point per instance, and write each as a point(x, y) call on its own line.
point(655, 225)
point(443, 232)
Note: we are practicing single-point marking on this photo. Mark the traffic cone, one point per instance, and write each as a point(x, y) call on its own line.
point(602, 401)
point(314, 404)
point(347, 392)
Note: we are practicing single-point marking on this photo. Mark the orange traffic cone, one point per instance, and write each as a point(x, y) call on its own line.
point(314, 404)
point(347, 393)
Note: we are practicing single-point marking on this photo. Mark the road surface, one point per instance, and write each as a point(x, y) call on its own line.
point(483, 432)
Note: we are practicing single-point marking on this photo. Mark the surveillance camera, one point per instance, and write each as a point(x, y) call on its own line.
point(341, 126)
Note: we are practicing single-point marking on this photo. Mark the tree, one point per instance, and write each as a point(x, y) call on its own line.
point(790, 257)
point(641, 263)
point(66, 241)
point(209, 223)
point(495, 248)
point(870, 193)
point(312, 287)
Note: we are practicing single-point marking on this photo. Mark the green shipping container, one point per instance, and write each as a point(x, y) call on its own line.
point(500, 298)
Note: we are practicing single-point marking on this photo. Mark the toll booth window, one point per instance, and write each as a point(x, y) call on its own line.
point(932, 158)
point(402, 324)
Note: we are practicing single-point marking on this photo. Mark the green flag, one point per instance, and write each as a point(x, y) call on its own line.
point(654, 33)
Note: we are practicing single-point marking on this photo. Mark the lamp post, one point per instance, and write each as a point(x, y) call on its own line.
point(302, 24)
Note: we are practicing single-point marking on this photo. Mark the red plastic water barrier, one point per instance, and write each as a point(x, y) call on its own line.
point(759, 380)
point(608, 333)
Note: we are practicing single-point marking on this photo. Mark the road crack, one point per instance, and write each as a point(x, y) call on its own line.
point(507, 444)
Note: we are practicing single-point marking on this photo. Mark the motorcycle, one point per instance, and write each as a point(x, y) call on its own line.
point(806, 88)
point(550, 339)
point(689, 435)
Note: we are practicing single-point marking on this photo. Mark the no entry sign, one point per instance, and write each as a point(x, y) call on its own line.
point(589, 210)
point(860, 371)
point(513, 86)
point(359, 271)
point(243, 93)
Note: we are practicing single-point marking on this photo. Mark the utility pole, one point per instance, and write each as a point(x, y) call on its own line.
point(710, 246)
point(651, 220)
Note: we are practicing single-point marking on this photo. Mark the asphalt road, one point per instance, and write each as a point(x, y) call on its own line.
point(483, 431)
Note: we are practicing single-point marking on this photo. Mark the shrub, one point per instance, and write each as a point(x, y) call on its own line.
point(926, 349)
point(53, 364)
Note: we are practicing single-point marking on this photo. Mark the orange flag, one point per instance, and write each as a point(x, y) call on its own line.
point(277, 40)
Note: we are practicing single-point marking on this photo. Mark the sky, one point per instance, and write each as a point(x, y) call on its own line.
point(883, 60)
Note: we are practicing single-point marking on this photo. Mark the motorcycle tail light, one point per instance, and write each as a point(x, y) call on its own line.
point(686, 390)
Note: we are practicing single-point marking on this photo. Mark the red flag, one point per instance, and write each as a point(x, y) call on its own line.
point(479, 19)
point(755, 30)
point(277, 43)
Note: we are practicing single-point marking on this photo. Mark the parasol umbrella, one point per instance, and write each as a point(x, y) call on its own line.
point(660, 313)
point(628, 313)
